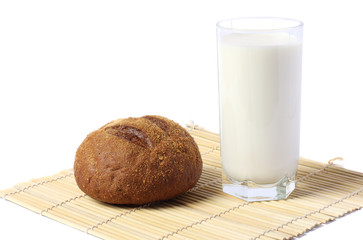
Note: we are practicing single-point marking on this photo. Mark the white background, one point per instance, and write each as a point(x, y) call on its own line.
point(68, 67)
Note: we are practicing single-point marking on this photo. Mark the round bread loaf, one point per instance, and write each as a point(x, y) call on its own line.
point(137, 161)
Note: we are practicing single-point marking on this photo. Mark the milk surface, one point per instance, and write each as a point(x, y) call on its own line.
point(260, 85)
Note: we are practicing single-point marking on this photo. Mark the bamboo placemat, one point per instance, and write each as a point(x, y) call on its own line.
point(324, 192)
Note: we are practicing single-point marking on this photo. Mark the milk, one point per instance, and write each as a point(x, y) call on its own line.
point(260, 85)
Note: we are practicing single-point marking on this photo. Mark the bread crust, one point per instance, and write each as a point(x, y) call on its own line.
point(137, 161)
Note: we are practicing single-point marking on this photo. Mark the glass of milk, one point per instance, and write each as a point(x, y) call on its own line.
point(259, 68)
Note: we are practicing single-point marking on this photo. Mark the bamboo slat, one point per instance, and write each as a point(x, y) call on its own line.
point(324, 192)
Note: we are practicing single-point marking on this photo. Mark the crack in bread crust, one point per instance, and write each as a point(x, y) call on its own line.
point(158, 122)
point(131, 134)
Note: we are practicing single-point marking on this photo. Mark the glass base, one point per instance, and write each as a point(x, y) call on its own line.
point(250, 191)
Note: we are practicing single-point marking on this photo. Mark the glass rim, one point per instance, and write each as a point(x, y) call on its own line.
point(295, 24)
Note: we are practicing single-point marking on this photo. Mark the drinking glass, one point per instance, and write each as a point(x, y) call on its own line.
point(259, 72)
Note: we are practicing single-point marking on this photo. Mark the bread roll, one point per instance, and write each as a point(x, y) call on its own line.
point(137, 161)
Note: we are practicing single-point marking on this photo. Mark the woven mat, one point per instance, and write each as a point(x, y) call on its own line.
point(324, 192)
